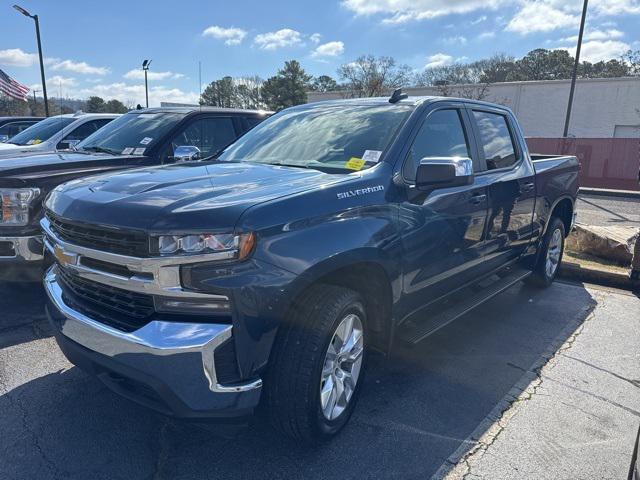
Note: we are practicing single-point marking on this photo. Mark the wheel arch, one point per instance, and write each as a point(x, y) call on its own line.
point(370, 276)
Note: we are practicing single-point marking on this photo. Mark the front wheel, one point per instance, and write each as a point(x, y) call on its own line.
point(552, 249)
point(317, 364)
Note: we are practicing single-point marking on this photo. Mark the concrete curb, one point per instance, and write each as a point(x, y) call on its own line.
point(573, 271)
point(609, 193)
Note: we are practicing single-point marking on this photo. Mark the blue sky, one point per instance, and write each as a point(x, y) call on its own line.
point(97, 47)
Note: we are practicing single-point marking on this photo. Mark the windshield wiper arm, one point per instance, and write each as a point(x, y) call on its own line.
point(99, 150)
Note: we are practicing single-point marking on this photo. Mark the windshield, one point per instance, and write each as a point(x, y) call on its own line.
point(332, 137)
point(41, 131)
point(132, 133)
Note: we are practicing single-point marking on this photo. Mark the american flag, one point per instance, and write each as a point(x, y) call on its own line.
point(12, 88)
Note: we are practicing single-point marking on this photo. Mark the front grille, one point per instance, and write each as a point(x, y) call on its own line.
point(121, 309)
point(133, 244)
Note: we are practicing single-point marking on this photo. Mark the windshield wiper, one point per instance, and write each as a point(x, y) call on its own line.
point(99, 150)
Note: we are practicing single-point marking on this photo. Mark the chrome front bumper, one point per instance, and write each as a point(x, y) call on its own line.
point(178, 356)
point(27, 249)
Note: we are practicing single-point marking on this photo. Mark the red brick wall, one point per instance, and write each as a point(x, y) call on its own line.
point(605, 162)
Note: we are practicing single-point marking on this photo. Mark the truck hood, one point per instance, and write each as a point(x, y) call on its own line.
point(185, 197)
point(9, 149)
point(49, 165)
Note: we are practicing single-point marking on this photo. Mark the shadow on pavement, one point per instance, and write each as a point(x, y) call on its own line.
point(414, 412)
point(21, 309)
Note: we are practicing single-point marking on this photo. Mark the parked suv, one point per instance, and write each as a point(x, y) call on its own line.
point(54, 133)
point(139, 138)
point(10, 126)
point(199, 289)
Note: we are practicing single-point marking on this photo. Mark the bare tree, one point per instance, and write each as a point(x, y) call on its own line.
point(369, 76)
point(469, 80)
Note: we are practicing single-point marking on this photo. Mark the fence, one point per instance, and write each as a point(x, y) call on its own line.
point(605, 162)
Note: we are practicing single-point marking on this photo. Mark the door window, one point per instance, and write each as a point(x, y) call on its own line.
point(86, 129)
point(208, 134)
point(496, 141)
point(253, 121)
point(441, 135)
point(14, 128)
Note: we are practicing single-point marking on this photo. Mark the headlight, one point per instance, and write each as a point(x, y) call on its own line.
point(234, 246)
point(14, 205)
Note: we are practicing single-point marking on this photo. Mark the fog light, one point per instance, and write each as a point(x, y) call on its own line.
point(193, 306)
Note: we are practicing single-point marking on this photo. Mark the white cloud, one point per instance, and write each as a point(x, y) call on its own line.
point(439, 60)
point(596, 50)
point(597, 35)
point(134, 94)
point(274, 40)
point(231, 36)
point(76, 67)
point(540, 17)
point(486, 35)
point(478, 20)
point(15, 57)
point(616, 7)
point(401, 11)
point(454, 40)
point(329, 49)
point(315, 38)
point(138, 74)
point(59, 81)
point(548, 15)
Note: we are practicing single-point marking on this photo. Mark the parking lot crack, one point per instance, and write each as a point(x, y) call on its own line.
point(16, 404)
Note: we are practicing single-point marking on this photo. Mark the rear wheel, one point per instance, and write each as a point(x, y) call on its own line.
point(317, 364)
point(551, 254)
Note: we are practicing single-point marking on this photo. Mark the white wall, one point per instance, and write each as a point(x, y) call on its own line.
point(599, 105)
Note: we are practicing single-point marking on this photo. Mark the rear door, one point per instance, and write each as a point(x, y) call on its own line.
point(443, 231)
point(510, 180)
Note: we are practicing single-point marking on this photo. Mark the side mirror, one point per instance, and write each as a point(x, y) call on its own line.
point(186, 153)
point(67, 144)
point(444, 172)
point(4, 138)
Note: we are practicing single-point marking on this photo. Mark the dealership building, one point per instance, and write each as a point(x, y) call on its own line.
point(602, 108)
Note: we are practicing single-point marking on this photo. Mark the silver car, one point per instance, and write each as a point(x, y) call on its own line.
point(55, 133)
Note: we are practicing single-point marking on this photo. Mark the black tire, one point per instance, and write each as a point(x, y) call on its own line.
point(541, 276)
point(292, 386)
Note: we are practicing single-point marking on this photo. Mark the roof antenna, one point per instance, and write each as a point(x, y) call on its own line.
point(397, 95)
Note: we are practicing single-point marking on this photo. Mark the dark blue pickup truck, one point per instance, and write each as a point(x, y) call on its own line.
point(329, 230)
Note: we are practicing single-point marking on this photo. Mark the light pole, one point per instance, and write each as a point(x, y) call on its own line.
point(145, 67)
point(575, 69)
point(44, 84)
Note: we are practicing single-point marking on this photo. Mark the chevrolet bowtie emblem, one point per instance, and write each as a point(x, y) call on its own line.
point(63, 257)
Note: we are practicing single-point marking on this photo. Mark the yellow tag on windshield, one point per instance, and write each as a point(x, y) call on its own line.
point(36, 141)
point(354, 163)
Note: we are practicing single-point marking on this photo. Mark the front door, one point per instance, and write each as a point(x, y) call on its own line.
point(442, 231)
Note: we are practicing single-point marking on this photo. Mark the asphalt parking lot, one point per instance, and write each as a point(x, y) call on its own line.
point(473, 400)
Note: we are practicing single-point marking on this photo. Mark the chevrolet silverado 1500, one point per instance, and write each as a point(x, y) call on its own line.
point(268, 273)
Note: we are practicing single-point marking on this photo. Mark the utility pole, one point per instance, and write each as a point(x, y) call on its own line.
point(575, 69)
point(44, 83)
